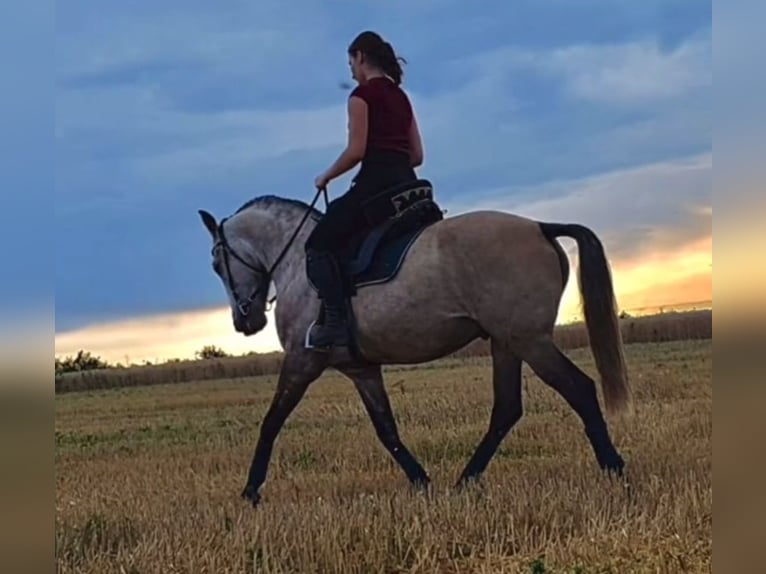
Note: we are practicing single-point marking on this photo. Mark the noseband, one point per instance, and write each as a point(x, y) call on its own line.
point(244, 304)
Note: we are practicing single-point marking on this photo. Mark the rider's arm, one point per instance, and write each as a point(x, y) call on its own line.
point(416, 144)
point(357, 139)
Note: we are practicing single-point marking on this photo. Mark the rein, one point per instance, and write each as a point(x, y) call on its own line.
point(244, 305)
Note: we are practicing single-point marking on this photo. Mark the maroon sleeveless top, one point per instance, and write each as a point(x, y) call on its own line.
point(389, 115)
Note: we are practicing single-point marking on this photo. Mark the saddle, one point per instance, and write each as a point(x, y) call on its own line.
point(394, 219)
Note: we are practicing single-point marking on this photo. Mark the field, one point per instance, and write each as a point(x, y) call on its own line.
point(148, 477)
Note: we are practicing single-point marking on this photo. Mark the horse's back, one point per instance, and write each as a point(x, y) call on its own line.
point(484, 234)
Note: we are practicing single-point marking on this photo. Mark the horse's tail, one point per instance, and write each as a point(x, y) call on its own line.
point(599, 308)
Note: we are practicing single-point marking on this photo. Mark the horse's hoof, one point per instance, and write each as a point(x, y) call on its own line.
point(614, 468)
point(250, 493)
point(618, 466)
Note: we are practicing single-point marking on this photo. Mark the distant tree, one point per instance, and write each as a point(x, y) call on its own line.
point(83, 361)
point(211, 352)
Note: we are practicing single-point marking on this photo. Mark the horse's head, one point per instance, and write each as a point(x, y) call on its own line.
point(245, 281)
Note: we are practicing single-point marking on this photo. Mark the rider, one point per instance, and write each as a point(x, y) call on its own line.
point(384, 137)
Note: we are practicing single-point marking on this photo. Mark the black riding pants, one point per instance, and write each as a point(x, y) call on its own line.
point(343, 218)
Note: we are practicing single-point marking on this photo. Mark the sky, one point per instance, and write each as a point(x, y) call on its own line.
point(593, 111)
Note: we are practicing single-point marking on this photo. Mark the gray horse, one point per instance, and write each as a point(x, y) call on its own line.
point(480, 274)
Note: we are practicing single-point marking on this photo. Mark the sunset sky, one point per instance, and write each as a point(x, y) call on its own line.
point(593, 112)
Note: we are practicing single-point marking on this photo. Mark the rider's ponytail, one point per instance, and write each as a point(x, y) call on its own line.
point(389, 63)
point(380, 54)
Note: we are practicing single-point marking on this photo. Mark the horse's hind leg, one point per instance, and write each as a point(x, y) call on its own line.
point(579, 390)
point(506, 410)
point(369, 384)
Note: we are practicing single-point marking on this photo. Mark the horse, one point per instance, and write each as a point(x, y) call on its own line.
point(480, 274)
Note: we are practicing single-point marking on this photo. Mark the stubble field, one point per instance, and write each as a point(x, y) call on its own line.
point(148, 478)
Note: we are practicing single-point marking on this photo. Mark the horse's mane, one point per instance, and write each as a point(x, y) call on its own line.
point(273, 200)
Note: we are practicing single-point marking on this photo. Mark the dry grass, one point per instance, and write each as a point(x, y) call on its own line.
point(673, 326)
point(147, 479)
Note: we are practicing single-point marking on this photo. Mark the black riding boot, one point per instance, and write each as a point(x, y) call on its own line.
point(322, 269)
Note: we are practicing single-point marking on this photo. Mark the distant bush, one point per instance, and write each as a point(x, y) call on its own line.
point(83, 361)
point(211, 352)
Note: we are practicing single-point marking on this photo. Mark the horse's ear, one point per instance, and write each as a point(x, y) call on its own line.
point(209, 222)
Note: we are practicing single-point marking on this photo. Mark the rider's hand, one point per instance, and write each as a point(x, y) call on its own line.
point(321, 181)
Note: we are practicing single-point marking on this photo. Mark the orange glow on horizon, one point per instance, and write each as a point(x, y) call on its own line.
point(667, 279)
point(162, 337)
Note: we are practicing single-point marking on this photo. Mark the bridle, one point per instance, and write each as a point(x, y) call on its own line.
point(243, 304)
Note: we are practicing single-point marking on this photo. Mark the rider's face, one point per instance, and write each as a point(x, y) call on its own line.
point(355, 64)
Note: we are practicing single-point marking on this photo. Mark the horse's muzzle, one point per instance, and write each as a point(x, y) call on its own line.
point(249, 325)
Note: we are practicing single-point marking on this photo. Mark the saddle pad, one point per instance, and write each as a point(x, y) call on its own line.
point(387, 260)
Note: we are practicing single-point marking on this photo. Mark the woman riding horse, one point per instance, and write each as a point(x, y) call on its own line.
point(384, 137)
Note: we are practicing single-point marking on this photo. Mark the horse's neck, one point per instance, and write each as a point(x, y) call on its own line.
point(272, 238)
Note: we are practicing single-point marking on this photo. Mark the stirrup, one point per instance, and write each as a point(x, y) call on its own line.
point(343, 336)
point(344, 339)
point(307, 340)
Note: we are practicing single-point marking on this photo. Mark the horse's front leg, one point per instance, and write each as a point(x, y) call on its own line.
point(299, 370)
point(369, 384)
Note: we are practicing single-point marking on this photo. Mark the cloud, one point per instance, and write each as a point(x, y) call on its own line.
point(522, 115)
point(240, 139)
point(631, 73)
point(637, 72)
point(637, 211)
